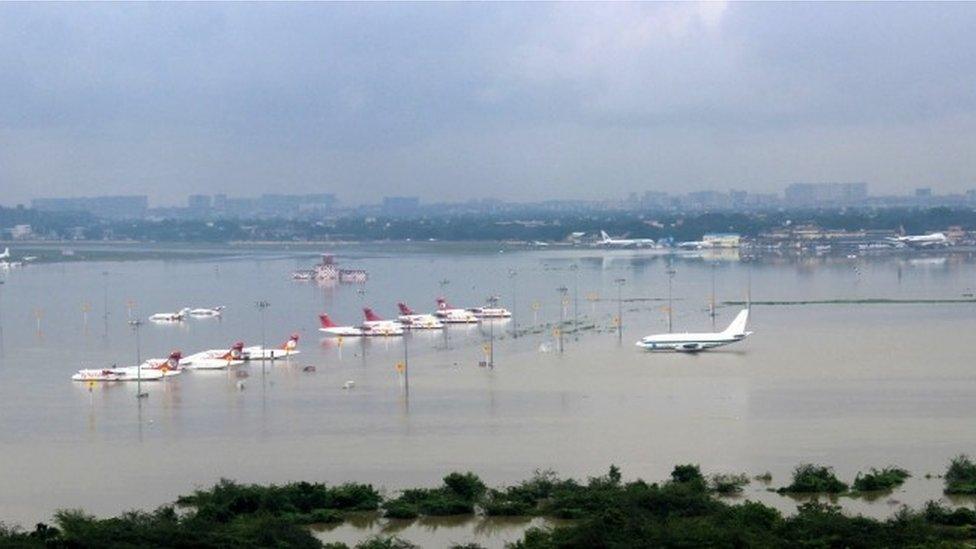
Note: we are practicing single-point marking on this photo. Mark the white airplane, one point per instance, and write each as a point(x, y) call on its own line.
point(691, 343)
point(284, 350)
point(490, 312)
point(128, 373)
point(331, 328)
point(451, 315)
point(374, 325)
point(215, 359)
point(607, 240)
point(415, 321)
point(203, 311)
point(169, 317)
point(5, 254)
point(923, 240)
point(169, 366)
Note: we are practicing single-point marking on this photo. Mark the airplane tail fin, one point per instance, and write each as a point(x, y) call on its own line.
point(370, 315)
point(173, 362)
point(404, 310)
point(291, 343)
point(442, 304)
point(604, 236)
point(738, 325)
point(5, 254)
point(326, 321)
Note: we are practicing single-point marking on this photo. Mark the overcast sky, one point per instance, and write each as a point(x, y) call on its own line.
point(458, 101)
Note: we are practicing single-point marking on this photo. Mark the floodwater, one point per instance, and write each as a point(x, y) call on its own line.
point(848, 385)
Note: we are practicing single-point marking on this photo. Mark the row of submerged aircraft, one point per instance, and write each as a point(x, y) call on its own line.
point(212, 359)
point(408, 319)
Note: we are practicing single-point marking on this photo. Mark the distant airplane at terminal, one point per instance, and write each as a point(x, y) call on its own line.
point(607, 240)
point(692, 343)
point(923, 241)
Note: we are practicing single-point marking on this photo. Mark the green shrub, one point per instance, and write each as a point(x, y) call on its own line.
point(728, 483)
point(960, 478)
point(383, 542)
point(937, 514)
point(466, 486)
point(885, 479)
point(400, 510)
point(814, 479)
point(686, 473)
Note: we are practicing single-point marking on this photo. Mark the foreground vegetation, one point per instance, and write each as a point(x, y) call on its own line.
point(604, 511)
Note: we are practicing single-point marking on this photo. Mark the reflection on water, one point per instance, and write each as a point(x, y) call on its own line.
point(852, 386)
point(434, 531)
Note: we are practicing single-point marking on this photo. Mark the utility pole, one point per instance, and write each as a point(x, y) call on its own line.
point(105, 301)
point(406, 368)
point(620, 309)
point(493, 301)
point(1, 317)
point(512, 273)
point(575, 268)
point(563, 290)
point(135, 328)
point(262, 307)
point(711, 305)
point(671, 272)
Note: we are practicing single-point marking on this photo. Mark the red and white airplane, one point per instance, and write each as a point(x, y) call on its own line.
point(169, 366)
point(215, 359)
point(375, 325)
point(368, 328)
point(285, 350)
point(451, 315)
point(414, 321)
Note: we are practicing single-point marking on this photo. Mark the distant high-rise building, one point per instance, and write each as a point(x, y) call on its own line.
point(220, 202)
point(400, 205)
point(117, 207)
point(199, 202)
point(825, 194)
point(923, 192)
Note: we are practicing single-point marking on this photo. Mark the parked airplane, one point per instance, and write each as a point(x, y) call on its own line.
point(490, 312)
point(170, 317)
point(923, 241)
point(5, 254)
point(169, 366)
point(215, 359)
point(285, 350)
point(607, 240)
point(129, 373)
point(203, 311)
point(329, 327)
point(451, 315)
point(691, 343)
point(374, 325)
point(415, 321)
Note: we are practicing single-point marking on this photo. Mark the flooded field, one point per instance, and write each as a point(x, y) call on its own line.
point(854, 363)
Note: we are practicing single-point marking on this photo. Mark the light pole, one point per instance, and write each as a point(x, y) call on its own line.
point(575, 268)
point(406, 368)
point(711, 306)
point(512, 273)
point(671, 272)
point(447, 337)
point(1, 317)
point(620, 309)
point(563, 290)
point(135, 328)
point(493, 301)
point(262, 307)
point(105, 301)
